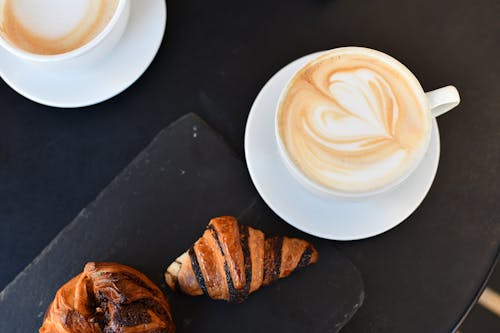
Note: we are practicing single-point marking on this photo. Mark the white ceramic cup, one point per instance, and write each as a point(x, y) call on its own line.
point(85, 55)
point(438, 101)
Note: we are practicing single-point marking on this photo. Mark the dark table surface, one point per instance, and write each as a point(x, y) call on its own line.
point(420, 277)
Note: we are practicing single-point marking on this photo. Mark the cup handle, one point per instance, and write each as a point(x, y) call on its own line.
point(442, 100)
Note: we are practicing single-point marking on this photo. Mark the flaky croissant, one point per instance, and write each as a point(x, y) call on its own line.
point(106, 298)
point(230, 261)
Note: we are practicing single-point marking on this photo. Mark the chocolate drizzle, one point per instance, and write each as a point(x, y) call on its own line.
point(197, 270)
point(244, 235)
point(272, 259)
point(230, 285)
point(306, 258)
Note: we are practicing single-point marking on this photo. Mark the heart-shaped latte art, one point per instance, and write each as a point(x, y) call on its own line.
point(362, 114)
point(351, 124)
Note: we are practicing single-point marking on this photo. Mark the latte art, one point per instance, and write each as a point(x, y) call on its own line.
point(54, 26)
point(352, 123)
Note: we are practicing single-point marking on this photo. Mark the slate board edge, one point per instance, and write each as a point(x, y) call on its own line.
point(82, 213)
point(356, 307)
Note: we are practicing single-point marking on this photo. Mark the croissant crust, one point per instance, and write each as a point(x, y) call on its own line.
point(106, 298)
point(230, 261)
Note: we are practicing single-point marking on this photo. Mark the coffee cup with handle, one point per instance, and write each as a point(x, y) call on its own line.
point(355, 122)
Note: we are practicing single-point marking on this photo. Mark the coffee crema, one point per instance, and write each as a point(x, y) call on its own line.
point(49, 27)
point(352, 122)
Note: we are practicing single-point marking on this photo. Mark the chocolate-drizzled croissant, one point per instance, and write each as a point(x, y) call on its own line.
point(106, 298)
point(230, 261)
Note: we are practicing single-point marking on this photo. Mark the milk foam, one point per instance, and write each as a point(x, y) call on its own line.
point(50, 18)
point(352, 123)
point(54, 26)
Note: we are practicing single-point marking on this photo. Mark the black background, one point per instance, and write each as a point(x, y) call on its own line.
point(213, 61)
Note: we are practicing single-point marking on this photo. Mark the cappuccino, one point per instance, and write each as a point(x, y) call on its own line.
point(49, 27)
point(353, 121)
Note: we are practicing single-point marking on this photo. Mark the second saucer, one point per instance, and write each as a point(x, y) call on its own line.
point(116, 72)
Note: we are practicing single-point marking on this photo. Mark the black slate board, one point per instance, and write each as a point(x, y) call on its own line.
point(153, 211)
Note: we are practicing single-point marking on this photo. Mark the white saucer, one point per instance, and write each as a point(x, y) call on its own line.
point(122, 67)
point(325, 218)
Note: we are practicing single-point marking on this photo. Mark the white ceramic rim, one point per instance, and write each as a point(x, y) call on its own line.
point(321, 190)
point(73, 53)
point(262, 157)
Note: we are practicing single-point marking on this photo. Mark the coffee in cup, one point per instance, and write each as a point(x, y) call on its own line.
point(49, 27)
point(353, 122)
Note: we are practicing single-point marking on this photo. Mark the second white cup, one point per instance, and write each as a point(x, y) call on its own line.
point(79, 58)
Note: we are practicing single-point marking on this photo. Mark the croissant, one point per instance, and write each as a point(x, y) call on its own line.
point(231, 261)
point(108, 298)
